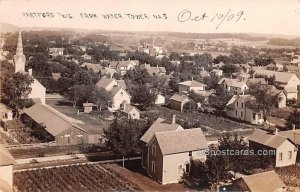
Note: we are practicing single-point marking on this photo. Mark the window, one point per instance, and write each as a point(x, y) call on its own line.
point(254, 115)
point(122, 93)
point(153, 150)
point(242, 105)
point(153, 167)
point(187, 168)
point(235, 112)
point(280, 156)
point(179, 169)
point(237, 104)
point(290, 154)
point(242, 114)
point(190, 153)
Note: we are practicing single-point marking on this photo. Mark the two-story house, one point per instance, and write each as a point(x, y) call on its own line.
point(234, 86)
point(289, 82)
point(238, 108)
point(116, 90)
point(284, 149)
point(168, 150)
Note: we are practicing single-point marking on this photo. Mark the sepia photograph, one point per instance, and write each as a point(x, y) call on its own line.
point(139, 95)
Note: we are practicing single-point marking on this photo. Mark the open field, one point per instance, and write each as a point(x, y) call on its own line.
point(290, 175)
point(93, 177)
point(211, 124)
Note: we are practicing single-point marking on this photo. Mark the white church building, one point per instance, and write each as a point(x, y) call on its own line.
point(38, 91)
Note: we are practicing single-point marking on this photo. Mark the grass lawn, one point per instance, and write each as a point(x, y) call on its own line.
point(89, 121)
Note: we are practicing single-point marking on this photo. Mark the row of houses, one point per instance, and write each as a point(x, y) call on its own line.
point(168, 150)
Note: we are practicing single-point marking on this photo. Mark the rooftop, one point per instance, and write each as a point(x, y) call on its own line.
point(180, 141)
point(159, 126)
point(267, 181)
point(267, 139)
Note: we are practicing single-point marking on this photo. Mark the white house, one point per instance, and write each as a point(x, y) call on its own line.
point(234, 86)
point(116, 90)
point(130, 111)
point(284, 149)
point(6, 113)
point(288, 81)
point(6, 169)
point(123, 66)
point(188, 86)
point(238, 108)
point(217, 72)
point(118, 96)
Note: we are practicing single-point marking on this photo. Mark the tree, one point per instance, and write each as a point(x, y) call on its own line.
point(17, 88)
point(79, 94)
point(141, 95)
point(229, 69)
point(82, 77)
point(123, 136)
point(213, 171)
point(264, 100)
point(101, 97)
point(294, 119)
point(173, 83)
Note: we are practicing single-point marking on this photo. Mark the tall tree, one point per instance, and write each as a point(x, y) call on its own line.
point(123, 136)
point(17, 88)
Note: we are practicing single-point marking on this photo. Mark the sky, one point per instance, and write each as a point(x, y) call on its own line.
point(197, 16)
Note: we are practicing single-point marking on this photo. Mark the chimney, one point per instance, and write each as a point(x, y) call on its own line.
point(173, 119)
point(293, 127)
point(30, 72)
point(276, 132)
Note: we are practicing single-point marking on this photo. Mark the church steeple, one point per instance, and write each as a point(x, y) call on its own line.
point(19, 57)
point(19, 45)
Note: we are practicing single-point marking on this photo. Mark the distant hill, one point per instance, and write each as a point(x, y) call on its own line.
point(8, 28)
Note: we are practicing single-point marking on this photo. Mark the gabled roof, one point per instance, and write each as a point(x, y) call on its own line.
point(104, 82)
point(267, 139)
point(122, 83)
point(192, 84)
point(293, 135)
point(292, 68)
point(128, 108)
point(179, 98)
point(281, 77)
point(180, 141)
point(263, 182)
point(88, 104)
point(54, 121)
point(154, 70)
point(254, 81)
point(116, 89)
point(244, 98)
point(95, 67)
point(232, 82)
point(159, 126)
point(5, 157)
